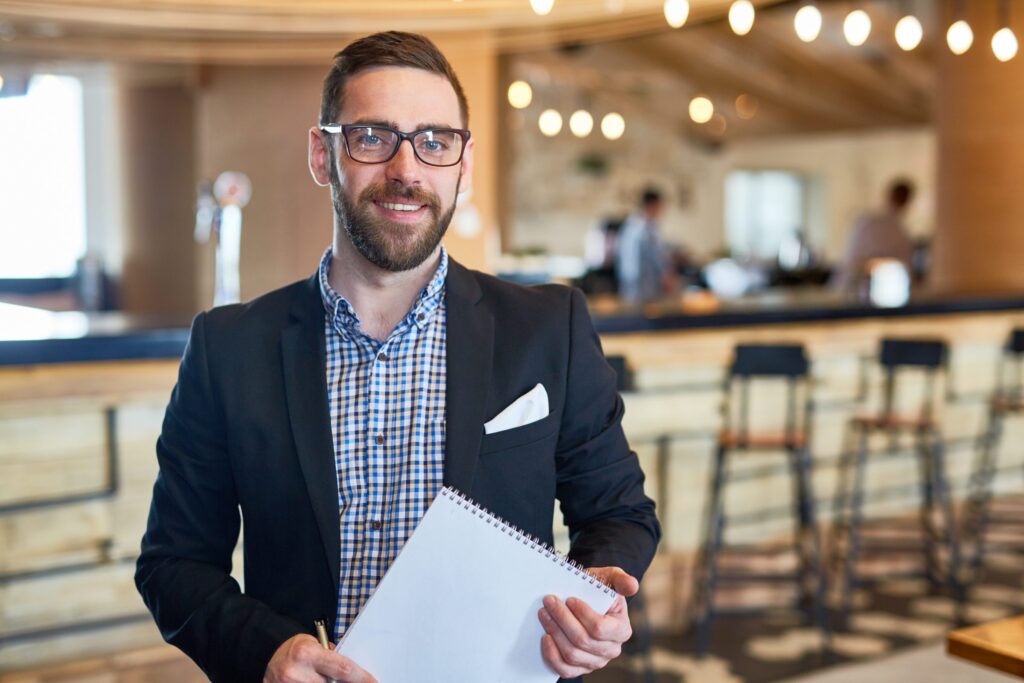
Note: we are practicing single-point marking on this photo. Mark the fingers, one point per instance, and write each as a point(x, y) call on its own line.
point(577, 645)
point(341, 669)
point(554, 659)
point(613, 627)
point(620, 581)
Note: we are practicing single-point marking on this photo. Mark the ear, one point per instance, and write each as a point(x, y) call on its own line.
point(466, 170)
point(319, 159)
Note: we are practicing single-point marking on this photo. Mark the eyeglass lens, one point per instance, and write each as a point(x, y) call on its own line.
point(376, 145)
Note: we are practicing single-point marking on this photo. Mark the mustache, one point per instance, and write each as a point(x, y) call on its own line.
point(408, 192)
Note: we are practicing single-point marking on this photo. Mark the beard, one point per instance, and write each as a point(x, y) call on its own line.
point(390, 245)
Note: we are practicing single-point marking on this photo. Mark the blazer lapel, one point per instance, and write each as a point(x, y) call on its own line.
point(304, 360)
point(470, 341)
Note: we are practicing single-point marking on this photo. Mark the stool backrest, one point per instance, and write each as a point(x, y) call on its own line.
point(920, 353)
point(768, 361)
point(1015, 344)
point(929, 355)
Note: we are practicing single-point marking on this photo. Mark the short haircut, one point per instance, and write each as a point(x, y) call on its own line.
point(391, 48)
point(901, 191)
point(651, 195)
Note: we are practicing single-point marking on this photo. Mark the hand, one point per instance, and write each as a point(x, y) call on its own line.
point(578, 640)
point(301, 659)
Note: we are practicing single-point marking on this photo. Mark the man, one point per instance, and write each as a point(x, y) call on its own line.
point(878, 235)
point(330, 412)
point(642, 263)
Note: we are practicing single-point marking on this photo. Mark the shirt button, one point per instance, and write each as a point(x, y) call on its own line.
point(376, 525)
point(379, 439)
point(419, 316)
point(382, 356)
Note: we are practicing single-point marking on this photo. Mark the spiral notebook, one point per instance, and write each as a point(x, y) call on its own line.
point(459, 604)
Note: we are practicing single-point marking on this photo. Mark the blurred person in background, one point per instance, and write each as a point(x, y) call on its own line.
point(643, 266)
point(878, 235)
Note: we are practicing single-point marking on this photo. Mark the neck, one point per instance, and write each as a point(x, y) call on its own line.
point(381, 298)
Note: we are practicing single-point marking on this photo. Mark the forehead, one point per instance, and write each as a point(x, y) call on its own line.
point(407, 96)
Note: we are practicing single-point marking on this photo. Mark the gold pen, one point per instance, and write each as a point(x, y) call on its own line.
point(321, 634)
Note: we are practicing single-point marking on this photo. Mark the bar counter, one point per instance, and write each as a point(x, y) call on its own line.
point(33, 336)
point(82, 400)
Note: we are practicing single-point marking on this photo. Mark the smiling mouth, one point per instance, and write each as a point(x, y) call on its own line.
point(394, 206)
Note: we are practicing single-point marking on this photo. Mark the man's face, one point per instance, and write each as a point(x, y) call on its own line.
point(395, 213)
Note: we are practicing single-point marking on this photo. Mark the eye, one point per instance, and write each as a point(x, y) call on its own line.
point(367, 138)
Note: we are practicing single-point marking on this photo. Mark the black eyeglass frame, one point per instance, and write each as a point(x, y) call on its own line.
point(343, 128)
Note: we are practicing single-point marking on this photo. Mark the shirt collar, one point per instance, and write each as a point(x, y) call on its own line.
point(343, 315)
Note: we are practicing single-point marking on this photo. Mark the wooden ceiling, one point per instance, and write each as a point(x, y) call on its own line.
point(825, 85)
point(297, 31)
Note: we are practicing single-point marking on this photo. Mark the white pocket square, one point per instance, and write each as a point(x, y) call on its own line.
point(530, 407)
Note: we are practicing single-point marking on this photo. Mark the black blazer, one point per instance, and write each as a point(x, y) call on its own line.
point(247, 431)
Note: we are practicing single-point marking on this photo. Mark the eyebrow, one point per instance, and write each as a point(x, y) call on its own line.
point(394, 124)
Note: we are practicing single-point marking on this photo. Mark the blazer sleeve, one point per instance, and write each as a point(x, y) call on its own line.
point(183, 572)
point(600, 485)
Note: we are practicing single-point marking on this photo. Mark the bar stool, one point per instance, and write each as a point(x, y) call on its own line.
point(928, 356)
point(753, 362)
point(1007, 399)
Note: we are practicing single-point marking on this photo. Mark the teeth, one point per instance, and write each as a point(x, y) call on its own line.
point(400, 207)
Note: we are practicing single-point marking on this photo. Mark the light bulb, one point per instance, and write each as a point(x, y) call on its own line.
point(581, 123)
point(520, 94)
point(741, 17)
point(1, 83)
point(857, 27)
point(550, 122)
point(676, 12)
point(959, 37)
point(1004, 44)
point(701, 109)
point(613, 126)
point(807, 23)
point(746, 106)
point(909, 32)
point(542, 7)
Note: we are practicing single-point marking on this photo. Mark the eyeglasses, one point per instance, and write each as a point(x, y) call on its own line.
point(378, 144)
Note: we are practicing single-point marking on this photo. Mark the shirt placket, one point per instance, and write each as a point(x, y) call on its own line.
point(379, 443)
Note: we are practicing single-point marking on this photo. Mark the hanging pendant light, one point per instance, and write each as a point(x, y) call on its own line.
point(807, 23)
point(857, 27)
point(1004, 42)
point(676, 12)
point(741, 17)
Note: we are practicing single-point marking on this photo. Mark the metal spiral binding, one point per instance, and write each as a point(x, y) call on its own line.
point(575, 567)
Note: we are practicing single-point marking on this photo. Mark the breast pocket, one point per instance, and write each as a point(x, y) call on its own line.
point(520, 436)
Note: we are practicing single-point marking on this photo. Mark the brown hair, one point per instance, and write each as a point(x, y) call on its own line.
point(391, 48)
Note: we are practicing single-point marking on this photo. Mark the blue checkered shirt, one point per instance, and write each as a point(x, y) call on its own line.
point(387, 412)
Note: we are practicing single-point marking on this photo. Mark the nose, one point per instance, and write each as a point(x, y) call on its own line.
point(404, 167)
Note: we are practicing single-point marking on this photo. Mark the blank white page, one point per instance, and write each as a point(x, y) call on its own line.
point(459, 604)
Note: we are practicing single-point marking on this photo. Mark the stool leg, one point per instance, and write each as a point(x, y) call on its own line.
point(927, 511)
point(643, 635)
point(980, 487)
point(809, 540)
point(950, 536)
point(840, 500)
point(850, 579)
point(706, 576)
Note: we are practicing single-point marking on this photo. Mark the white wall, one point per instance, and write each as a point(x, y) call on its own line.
point(555, 203)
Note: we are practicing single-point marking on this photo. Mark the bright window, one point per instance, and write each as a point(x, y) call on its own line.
point(42, 179)
point(762, 209)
